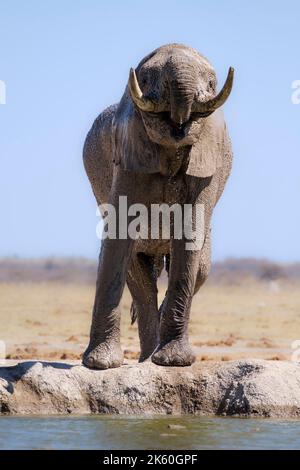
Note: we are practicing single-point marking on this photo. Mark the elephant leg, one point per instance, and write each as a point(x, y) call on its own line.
point(141, 280)
point(174, 349)
point(104, 350)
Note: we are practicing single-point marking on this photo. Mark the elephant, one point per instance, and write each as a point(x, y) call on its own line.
point(166, 141)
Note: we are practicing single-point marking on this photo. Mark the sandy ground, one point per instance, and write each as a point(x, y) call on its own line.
point(52, 320)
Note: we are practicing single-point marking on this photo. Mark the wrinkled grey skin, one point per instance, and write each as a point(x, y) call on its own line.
point(149, 158)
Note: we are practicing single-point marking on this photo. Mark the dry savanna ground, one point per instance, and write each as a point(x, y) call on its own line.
point(51, 320)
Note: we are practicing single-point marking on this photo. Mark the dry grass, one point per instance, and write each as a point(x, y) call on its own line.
point(52, 320)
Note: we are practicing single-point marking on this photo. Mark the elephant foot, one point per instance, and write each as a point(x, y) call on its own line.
point(175, 353)
point(103, 356)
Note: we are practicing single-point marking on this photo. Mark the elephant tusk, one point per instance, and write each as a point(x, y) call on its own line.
point(143, 103)
point(213, 104)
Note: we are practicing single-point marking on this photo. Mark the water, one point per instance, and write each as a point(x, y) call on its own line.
point(115, 432)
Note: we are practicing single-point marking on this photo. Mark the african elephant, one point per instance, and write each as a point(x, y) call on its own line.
point(165, 142)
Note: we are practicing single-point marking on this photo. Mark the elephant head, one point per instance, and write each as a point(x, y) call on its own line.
point(169, 102)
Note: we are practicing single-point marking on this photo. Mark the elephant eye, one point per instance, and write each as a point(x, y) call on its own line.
point(211, 85)
point(144, 85)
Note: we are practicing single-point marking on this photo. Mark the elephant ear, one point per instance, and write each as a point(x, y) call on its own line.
point(206, 155)
point(132, 148)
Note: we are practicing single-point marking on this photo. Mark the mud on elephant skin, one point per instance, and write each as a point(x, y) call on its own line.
point(165, 143)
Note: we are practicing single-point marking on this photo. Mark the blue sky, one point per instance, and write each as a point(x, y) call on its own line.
point(64, 61)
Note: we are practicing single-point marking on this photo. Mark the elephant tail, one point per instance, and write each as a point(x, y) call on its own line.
point(133, 313)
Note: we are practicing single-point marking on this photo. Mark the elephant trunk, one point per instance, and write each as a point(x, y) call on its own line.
point(182, 83)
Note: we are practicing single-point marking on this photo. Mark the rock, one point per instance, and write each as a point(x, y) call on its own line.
point(245, 388)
